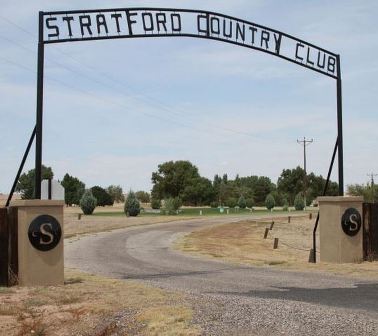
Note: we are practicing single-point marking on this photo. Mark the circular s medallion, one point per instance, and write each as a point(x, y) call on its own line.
point(44, 232)
point(351, 222)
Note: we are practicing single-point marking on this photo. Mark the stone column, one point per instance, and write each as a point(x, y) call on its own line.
point(40, 242)
point(341, 232)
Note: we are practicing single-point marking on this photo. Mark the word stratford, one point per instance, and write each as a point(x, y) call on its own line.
point(128, 23)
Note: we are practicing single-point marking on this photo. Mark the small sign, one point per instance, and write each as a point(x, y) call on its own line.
point(52, 190)
point(351, 222)
point(45, 233)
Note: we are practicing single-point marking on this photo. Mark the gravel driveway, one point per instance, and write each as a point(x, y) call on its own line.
point(231, 299)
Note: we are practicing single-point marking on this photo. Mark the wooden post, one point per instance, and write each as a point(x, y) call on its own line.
point(311, 257)
point(266, 233)
point(310, 215)
point(275, 246)
point(79, 216)
point(288, 219)
point(271, 225)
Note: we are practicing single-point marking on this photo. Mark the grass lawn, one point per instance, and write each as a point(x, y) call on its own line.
point(197, 212)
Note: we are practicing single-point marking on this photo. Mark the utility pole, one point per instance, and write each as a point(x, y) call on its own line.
point(372, 175)
point(305, 143)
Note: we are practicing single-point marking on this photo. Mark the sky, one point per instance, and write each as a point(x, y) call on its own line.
point(116, 109)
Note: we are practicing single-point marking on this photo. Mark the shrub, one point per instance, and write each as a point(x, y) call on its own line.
point(132, 206)
point(250, 202)
point(155, 203)
point(171, 205)
point(242, 203)
point(88, 202)
point(299, 202)
point(270, 202)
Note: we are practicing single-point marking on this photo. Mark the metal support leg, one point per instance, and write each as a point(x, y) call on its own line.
point(340, 129)
point(39, 116)
point(21, 167)
point(324, 193)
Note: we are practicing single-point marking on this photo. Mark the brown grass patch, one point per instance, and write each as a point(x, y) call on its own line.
point(89, 305)
point(243, 242)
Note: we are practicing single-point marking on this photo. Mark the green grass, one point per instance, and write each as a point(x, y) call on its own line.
point(196, 212)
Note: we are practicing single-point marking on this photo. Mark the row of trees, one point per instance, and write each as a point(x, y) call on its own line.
point(181, 179)
point(75, 189)
point(368, 191)
point(88, 203)
point(182, 182)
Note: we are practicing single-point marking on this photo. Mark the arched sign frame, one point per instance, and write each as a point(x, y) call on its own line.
point(115, 23)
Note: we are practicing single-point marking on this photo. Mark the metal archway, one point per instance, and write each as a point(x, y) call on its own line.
point(116, 23)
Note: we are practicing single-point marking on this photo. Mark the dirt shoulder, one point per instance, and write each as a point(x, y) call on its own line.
point(243, 243)
point(93, 306)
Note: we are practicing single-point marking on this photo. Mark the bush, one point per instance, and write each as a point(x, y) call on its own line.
point(242, 203)
point(155, 203)
point(250, 202)
point(214, 204)
point(132, 206)
point(88, 202)
point(299, 202)
point(270, 202)
point(232, 202)
point(171, 205)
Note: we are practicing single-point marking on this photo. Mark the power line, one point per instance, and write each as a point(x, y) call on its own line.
point(142, 97)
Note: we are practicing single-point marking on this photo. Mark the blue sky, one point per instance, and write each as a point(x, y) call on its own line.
point(114, 110)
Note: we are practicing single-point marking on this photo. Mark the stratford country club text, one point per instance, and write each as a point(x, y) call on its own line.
point(133, 23)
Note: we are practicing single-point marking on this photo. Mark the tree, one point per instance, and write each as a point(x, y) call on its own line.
point(264, 186)
point(270, 202)
point(73, 189)
point(369, 192)
point(132, 205)
point(227, 191)
point(116, 193)
point(290, 182)
point(88, 203)
point(232, 202)
point(299, 202)
point(143, 196)
point(199, 191)
point(250, 202)
point(103, 198)
point(172, 177)
point(242, 203)
point(25, 184)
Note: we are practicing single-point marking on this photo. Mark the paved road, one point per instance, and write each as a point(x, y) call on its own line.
point(231, 299)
